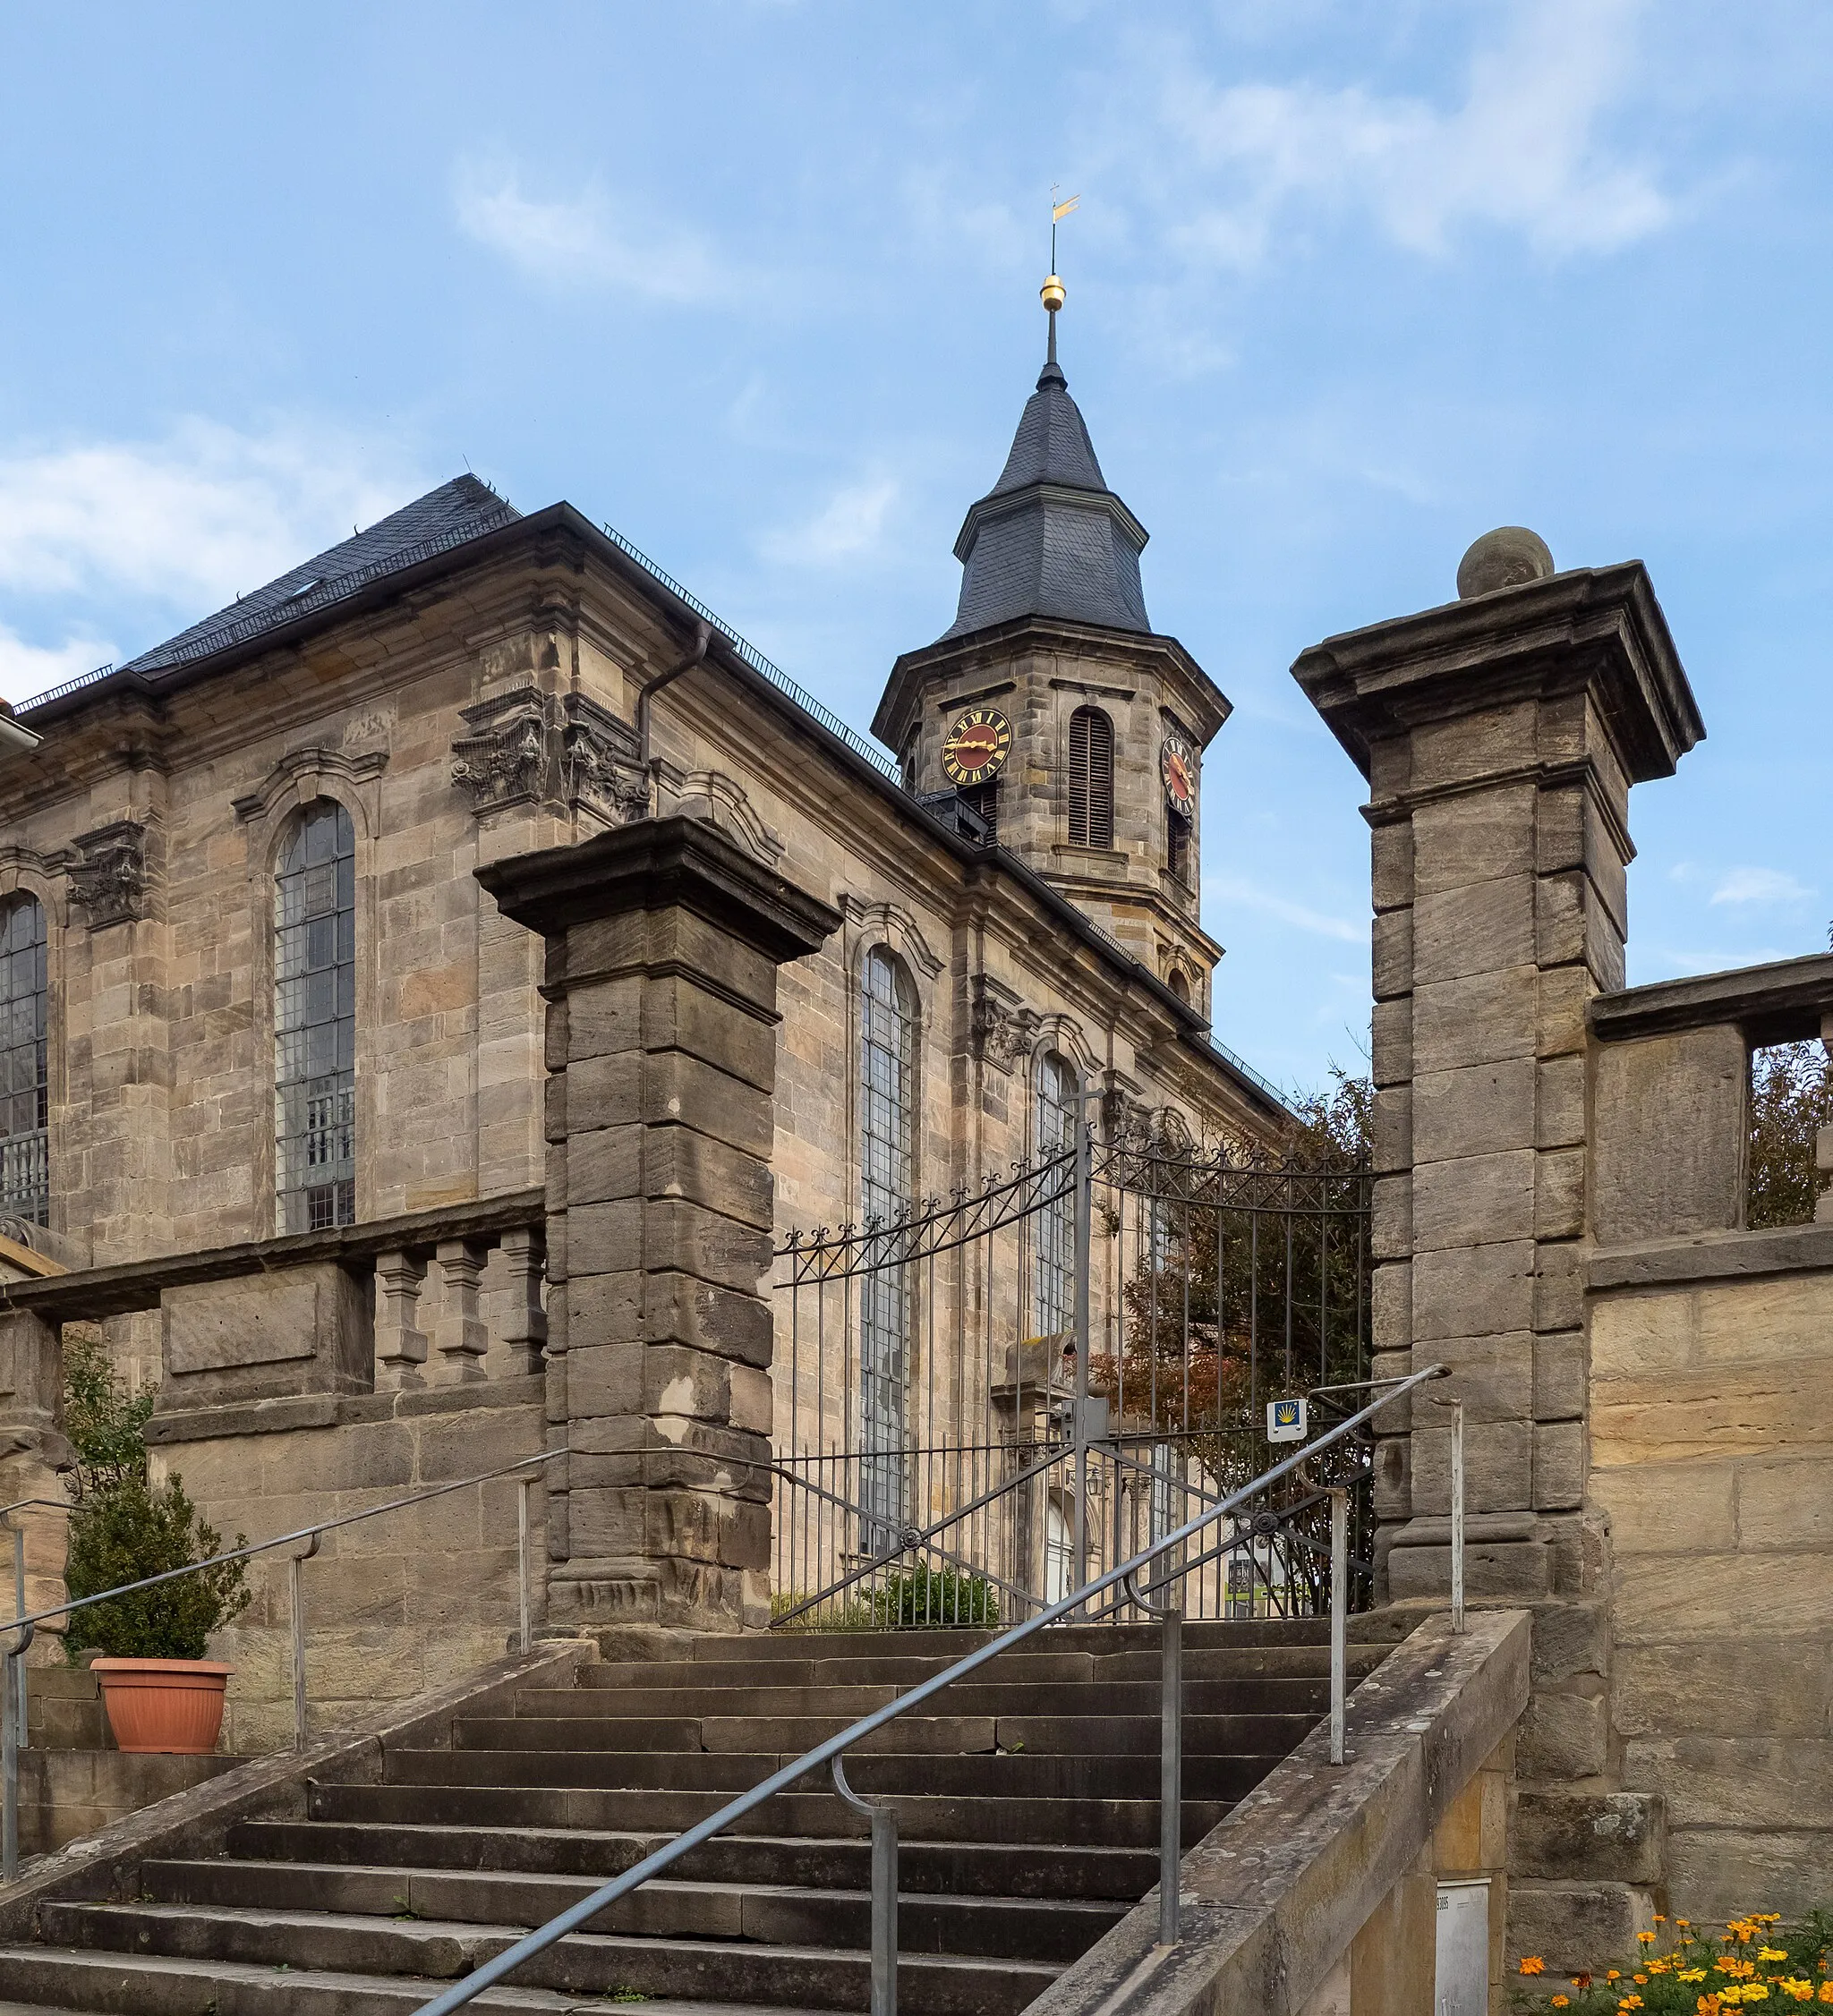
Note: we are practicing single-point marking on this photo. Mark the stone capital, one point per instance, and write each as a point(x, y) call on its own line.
point(660, 864)
point(1593, 631)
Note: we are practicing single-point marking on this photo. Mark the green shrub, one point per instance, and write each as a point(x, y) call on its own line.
point(124, 1527)
point(915, 1597)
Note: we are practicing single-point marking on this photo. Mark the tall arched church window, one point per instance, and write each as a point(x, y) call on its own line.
point(25, 1082)
point(1053, 1133)
point(315, 1021)
point(1091, 778)
point(888, 1159)
point(1181, 984)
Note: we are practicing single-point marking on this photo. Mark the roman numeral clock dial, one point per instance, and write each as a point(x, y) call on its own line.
point(977, 747)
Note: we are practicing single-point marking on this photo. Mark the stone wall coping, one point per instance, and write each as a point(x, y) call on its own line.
point(91, 1293)
point(657, 864)
point(1780, 1003)
point(1713, 1256)
point(1273, 1895)
point(1600, 626)
point(106, 1865)
point(285, 1412)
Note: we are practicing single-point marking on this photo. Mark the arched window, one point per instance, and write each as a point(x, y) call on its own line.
point(315, 1021)
point(25, 1083)
point(1091, 778)
point(888, 1158)
point(1180, 984)
point(1053, 1133)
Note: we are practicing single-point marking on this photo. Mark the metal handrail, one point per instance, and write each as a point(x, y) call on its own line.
point(824, 1754)
point(13, 1691)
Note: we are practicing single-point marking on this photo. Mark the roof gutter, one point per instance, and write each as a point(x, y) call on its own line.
point(15, 738)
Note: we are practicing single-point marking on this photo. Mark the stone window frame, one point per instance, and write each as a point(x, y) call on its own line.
point(295, 785)
point(28, 875)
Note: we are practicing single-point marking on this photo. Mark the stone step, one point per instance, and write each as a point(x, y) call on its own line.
point(862, 1669)
point(665, 1908)
point(1281, 1694)
point(1204, 1634)
point(1023, 1777)
point(984, 1868)
point(109, 1984)
point(1131, 1735)
point(588, 1963)
point(1116, 1822)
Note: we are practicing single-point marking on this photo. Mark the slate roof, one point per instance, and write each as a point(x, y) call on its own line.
point(1050, 538)
point(461, 510)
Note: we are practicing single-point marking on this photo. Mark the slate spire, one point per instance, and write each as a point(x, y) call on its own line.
point(1050, 538)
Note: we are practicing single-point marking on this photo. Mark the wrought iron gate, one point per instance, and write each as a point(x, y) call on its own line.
point(1086, 1344)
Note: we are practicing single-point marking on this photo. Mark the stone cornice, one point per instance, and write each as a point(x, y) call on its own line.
point(1598, 629)
point(984, 651)
point(1783, 1002)
point(657, 864)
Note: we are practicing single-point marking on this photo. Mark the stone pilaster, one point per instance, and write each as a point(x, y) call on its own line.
point(662, 944)
point(1500, 735)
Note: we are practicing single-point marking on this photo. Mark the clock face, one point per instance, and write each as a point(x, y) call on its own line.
point(977, 747)
point(1177, 764)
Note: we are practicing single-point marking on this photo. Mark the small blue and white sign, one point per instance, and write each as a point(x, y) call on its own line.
point(1286, 1421)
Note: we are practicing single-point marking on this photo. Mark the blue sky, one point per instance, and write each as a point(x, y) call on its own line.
point(755, 281)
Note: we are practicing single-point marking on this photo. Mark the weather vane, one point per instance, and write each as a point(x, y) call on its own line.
point(1051, 292)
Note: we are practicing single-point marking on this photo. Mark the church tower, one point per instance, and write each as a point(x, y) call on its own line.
point(1050, 716)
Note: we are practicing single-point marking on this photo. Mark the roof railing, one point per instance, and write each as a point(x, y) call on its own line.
point(830, 1754)
point(880, 758)
point(12, 1696)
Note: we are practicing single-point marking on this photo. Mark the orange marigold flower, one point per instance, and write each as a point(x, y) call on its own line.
point(1613, 1975)
point(1645, 1939)
point(1826, 1991)
point(1641, 1980)
point(1562, 2002)
point(1770, 1952)
point(1533, 1964)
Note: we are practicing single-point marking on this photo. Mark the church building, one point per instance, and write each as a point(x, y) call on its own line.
point(251, 987)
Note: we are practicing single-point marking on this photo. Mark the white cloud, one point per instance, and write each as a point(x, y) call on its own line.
point(590, 240)
point(190, 521)
point(1759, 885)
point(1522, 150)
point(27, 670)
point(1230, 888)
point(850, 523)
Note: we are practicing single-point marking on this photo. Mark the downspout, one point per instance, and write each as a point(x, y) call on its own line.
point(647, 692)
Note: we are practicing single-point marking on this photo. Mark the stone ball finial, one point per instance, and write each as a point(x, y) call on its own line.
point(1507, 558)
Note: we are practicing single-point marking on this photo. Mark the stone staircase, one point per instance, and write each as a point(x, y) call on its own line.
point(1027, 1801)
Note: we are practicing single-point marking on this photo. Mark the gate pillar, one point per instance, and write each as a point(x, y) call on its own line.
point(1500, 735)
point(663, 940)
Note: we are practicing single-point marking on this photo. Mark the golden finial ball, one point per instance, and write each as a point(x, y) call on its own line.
point(1052, 294)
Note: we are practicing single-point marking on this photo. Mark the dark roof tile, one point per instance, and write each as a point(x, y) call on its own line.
point(462, 509)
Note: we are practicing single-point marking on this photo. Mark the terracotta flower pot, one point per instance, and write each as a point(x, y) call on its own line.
point(170, 1707)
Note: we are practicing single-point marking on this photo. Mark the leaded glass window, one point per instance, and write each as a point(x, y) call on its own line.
point(1054, 1133)
point(25, 1084)
point(315, 1021)
point(888, 1156)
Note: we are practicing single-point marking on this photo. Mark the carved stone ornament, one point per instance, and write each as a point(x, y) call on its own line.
point(107, 870)
point(604, 773)
point(506, 759)
point(528, 747)
point(1128, 1122)
point(1003, 1028)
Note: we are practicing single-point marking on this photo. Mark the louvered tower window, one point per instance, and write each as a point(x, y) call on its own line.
point(984, 798)
point(315, 1021)
point(1091, 778)
point(1176, 844)
point(25, 1084)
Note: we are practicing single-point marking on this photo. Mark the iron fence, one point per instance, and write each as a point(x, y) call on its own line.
point(986, 1396)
